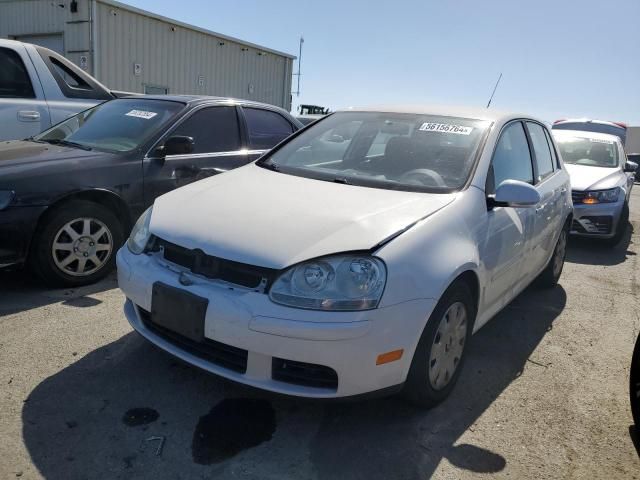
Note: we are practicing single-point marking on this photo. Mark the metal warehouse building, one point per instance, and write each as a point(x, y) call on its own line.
point(137, 51)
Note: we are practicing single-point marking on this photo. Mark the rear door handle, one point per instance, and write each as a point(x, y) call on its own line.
point(563, 190)
point(539, 209)
point(28, 116)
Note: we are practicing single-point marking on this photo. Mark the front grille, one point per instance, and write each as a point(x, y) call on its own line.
point(577, 196)
point(198, 262)
point(306, 374)
point(600, 225)
point(226, 356)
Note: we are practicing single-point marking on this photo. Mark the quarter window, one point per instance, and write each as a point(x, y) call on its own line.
point(213, 129)
point(266, 128)
point(511, 159)
point(544, 163)
point(554, 155)
point(14, 79)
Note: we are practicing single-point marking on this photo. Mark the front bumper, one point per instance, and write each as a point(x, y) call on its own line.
point(247, 321)
point(600, 220)
point(17, 225)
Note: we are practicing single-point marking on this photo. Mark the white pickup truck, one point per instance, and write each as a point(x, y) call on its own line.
point(39, 88)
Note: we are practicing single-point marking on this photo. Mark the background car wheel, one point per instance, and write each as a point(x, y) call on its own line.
point(634, 385)
point(76, 244)
point(621, 229)
point(439, 357)
point(551, 274)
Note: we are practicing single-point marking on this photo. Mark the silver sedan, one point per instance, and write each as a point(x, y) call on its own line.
point(601, 182)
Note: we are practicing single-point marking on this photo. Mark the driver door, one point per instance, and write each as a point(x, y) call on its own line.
point(217, 147)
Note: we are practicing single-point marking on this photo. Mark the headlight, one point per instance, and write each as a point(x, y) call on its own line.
point(601, 196)
point(341, 282)
point(5, 198)
point(140, 233)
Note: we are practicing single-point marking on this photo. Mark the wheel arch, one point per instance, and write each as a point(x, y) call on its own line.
point(101, 196)
point(104, 197)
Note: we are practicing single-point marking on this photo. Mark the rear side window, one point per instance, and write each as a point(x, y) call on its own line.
point(214, 129)
point(544, 163)
point(14, 79)
point(71, 78)
point(266, 128)
point(554, 155)
point(511, 159)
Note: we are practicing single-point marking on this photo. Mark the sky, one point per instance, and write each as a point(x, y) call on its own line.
point(559, 58)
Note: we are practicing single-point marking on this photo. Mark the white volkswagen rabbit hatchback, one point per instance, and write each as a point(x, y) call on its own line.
point(357, 256)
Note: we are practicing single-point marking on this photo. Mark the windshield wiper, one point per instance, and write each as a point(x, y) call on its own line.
point(67, 143)
point(342, 180)
point(270, 165)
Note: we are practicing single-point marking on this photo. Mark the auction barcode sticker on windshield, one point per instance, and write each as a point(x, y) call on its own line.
point(600, 140)
point(141, 114)
point(445, 128)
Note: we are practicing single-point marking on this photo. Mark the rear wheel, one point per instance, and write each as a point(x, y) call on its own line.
point(438, 359)
point(76, 244)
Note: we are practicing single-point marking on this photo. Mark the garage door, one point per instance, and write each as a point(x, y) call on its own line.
point(53, 42)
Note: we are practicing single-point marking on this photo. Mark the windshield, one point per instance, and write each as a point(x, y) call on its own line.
point(593, 152)
point(619, 132)
point(384, 150)
point(116, 126)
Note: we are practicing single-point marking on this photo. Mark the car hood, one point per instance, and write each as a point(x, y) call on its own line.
point(584, 177)
point(20, 152)
point(256, 216)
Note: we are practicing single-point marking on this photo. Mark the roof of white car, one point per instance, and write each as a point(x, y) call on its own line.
point(585, 134)
point(447, 111)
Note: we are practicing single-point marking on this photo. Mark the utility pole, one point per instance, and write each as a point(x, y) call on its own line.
point(299, 74)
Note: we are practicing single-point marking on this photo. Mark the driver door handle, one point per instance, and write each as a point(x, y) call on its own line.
point(540, 208)
point(28, 115)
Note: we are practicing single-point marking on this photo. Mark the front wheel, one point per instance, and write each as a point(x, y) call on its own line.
point(621, 228)
point(438, 359)
point(76, 244)
point(551, 274)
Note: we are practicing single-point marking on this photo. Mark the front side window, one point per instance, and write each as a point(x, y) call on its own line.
point(593, 152)
point(213, 129)
point(511, 159)
point(266, 128)
point(544, 162)
point(116, 126)
point(397, 151)
point(14, 79)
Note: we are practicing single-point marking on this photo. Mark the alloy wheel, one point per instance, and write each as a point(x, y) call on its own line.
point(82, 246)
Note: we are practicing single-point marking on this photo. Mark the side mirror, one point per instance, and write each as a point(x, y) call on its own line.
point(514, 193)
point(178, 145)
point(630, 166)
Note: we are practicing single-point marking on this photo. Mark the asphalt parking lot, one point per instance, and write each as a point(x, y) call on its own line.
point(544, 394)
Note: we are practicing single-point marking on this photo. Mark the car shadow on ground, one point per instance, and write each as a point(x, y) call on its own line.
point(590, 251)
point(78, 423)
point(21, 291)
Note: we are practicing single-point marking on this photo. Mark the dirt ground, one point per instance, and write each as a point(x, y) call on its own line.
point(544, 394)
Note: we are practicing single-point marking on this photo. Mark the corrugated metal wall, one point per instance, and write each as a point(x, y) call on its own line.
point(182, 59)
point(185, 60)
point(37, 17)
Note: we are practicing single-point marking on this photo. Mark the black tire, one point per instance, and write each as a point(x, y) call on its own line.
point(634, 385)
point(621, 228)
point(41, 258)
point(550, 275)
point(418, 388)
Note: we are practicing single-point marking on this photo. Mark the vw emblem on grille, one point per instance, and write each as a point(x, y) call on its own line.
point(185, 280)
